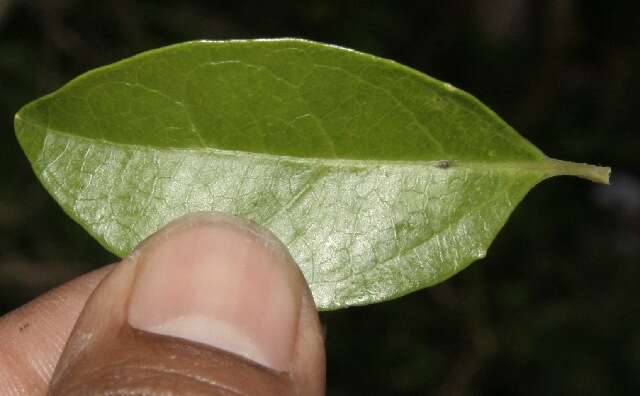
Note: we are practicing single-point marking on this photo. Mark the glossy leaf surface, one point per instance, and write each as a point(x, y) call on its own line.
point(379, 179)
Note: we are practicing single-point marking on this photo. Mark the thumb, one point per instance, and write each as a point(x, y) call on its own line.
point(209, 305)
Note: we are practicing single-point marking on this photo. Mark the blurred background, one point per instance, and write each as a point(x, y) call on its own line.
point(553, 308)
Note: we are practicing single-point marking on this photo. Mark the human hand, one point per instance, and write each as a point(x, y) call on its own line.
point(210, 305)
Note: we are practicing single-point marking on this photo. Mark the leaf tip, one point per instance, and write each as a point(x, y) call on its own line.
point(18, 126)
point(17, 119)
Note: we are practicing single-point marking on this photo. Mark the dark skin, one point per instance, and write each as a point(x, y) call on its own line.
point(77, 340)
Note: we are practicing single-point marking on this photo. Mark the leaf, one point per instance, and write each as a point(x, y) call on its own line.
point(379, 179)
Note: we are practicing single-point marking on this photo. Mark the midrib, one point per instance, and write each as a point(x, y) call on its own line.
point(548, 167)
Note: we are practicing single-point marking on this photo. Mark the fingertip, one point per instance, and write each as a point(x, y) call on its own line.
point(220, 282)
point(214, 281)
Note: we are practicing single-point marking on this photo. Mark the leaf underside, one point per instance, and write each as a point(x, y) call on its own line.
point(379, 179)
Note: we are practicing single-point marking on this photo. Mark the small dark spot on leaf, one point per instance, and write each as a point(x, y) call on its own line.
point(443, 164)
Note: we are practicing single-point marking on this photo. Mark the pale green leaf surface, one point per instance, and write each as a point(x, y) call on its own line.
point(379, 179)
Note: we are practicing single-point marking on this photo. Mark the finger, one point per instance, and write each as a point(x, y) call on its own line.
point(209, 305)
point(32, 337)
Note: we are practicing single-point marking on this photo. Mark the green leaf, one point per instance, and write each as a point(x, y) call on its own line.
point(379, 179)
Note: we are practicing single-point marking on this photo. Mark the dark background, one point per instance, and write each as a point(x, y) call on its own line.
point(553, 309)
